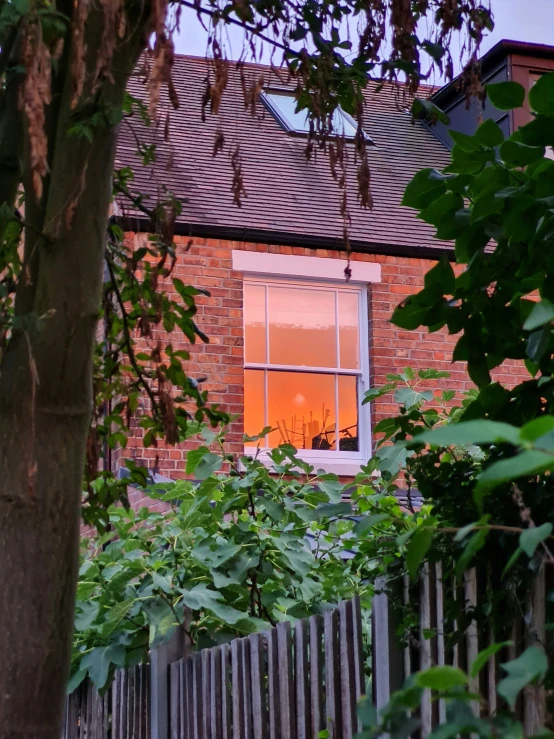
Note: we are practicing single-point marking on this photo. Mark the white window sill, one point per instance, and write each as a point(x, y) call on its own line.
point(347, 467)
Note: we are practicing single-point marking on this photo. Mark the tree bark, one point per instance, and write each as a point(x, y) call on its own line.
point(45, 408)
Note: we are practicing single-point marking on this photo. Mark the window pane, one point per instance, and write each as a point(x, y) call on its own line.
point(348, 414)
point(302, 328)
point(349, 335)
point(254, 403)
point(342, 125)
point(302, 406)
point(254, 323)
point(286, 105)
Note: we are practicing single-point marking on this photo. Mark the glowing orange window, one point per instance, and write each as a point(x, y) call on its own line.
point(303, 365)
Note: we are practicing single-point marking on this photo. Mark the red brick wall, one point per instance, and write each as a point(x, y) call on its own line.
point(208, 264)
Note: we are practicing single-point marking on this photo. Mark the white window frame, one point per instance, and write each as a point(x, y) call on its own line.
point(340, 462)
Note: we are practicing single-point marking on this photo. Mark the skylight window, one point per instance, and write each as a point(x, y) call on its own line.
point(283, 107)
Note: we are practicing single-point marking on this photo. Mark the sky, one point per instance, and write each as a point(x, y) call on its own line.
point(520, 20)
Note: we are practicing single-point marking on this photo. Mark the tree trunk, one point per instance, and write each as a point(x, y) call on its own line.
point(45, 409)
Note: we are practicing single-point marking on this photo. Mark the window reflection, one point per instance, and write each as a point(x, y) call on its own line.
point(302, 328)
point(254, 403)
point(348, 413)
point(301, 406)
point(349, 339)
point(254, 323)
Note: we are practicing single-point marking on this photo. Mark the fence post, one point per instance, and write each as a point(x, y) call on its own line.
point(160, 659)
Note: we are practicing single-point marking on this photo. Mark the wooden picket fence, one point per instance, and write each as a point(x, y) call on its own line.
point(123, 712)
point(291, 682)
point(287, 683)
point(430, 647)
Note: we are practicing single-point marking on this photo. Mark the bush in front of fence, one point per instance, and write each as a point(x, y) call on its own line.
point(242, 548)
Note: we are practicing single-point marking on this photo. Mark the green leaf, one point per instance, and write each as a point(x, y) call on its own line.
point(517, 154)
point(537, 428)
point(417, 548)
point(465, 142)
point(200, 598)
point(541, 313)
point(409, 397)
point(470, 432)
point(441, 276)
point(98, 661)
point(116, 614)
point(530, 539)
point(392, 458)
point(483, 657)
point(541, 95)
point(85, 614)
point(506, 95)
point(537, 343)
point(441, 678)
point(423, 190)
point(489, 134)
point(76, 679)
point(209, 464)
point(529, 666)
point(527, 463)
point(332, 510)
point(377, 392)
point(366, 523)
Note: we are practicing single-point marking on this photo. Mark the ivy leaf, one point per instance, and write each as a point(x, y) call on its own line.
point(441, 678)
point(506, 95)
point(417, 548)
point(530, 539)
point(529, 666)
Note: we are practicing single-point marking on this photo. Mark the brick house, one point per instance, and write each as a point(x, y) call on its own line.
point(292, 344)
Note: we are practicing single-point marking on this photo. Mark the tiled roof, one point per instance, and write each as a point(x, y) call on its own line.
point(288, 198)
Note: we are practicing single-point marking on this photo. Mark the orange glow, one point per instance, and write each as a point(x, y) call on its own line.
point(306, 328)
point(254, 405)
point(302, 330)
point(302, 406)
point(254, 324)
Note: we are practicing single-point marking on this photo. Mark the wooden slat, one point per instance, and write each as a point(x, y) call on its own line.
point(215, 692)
point(358, 647)
point(226, 725)
point(534, 699)
point(174, 700)
point(257, 686)
point(206, 693)
point(472, 637)
point(316, 675)
point(425, 647)
point(130, 703)
point(380, 640)
point(346, 667)
point(332, 679)
point(138, 702)
point(273, 685)
point(439, 600)
point(406, 652)
point(197, 696)
point(301, 676)
point(246, 690)
point(286, 680)
point(237, 668)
